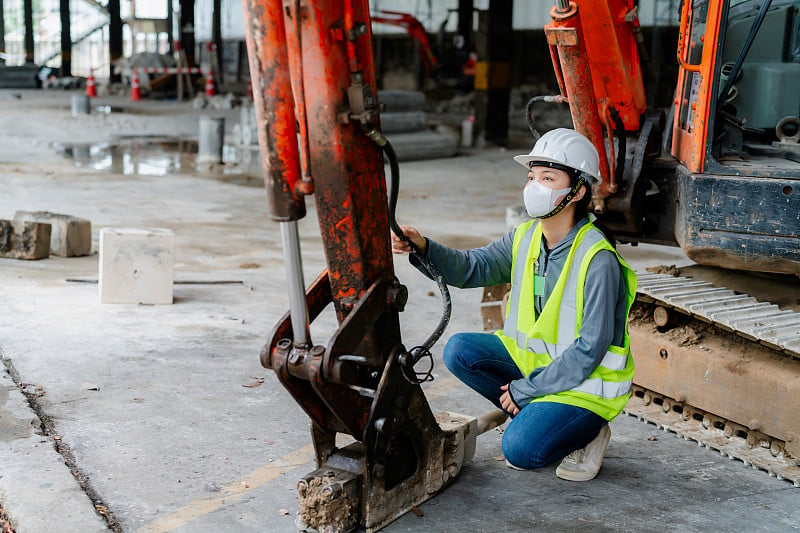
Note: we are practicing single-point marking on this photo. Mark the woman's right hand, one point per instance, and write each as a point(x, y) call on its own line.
point(399, 246)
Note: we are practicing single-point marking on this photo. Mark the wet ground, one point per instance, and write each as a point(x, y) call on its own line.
point(165, 411)
point(154, 156)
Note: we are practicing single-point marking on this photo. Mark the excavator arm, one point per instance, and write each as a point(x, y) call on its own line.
point(313, 81)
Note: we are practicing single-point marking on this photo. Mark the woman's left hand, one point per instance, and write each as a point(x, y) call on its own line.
point(508, 404)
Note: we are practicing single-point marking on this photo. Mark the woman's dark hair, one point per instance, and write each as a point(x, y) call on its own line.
point(582, 208)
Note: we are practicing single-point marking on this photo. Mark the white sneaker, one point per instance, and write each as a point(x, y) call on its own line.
point(584, 464)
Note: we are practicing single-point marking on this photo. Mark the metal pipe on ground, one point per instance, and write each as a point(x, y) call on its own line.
point(212, 134)
point(80, 105)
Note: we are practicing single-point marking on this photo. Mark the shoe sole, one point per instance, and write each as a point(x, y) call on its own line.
point(570, 475)
point(514, 466)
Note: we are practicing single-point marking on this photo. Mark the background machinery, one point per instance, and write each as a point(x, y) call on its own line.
point(718, 175)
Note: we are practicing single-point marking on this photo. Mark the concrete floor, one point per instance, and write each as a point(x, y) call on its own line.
point(152, 401)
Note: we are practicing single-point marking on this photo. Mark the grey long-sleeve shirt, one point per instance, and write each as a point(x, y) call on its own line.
point(604, 304)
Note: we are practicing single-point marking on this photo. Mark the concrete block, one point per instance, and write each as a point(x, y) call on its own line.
point(136, 266)
point(69, 237)
point(29, 240)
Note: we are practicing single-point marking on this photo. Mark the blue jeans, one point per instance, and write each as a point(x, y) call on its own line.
point(542, 432)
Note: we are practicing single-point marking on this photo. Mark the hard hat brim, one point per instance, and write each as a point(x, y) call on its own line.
point(525, 160)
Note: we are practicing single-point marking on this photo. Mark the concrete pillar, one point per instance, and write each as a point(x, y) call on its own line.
point(187, 30)
point(28, 8)
point(216, 36)
point(170, 35)
point(66, 40)
point(2, 34)
point(114, 37)
point(493, 43)
point(465, 22)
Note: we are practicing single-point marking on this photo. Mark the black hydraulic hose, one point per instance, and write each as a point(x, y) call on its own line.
point(423, 259)
point(553, 99)
point(394, 187)
point(737, 65)
point(622, 145)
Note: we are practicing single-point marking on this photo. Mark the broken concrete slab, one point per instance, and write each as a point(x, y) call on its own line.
point(29, 240)
point(70, 236)
point(136, 266)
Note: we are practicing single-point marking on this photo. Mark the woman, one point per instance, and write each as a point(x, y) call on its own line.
point(561, 366)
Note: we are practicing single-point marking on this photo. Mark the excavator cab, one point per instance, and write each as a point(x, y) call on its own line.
point(735, 134)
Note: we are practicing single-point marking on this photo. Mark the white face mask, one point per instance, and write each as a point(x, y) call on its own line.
point(541, 200)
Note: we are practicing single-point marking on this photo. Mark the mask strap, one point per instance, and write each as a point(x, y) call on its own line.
point(563, 203)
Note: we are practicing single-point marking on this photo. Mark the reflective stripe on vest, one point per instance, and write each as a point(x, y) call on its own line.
point(604, 389)
point(568, 322)
point(512, 309)
point(568, 316)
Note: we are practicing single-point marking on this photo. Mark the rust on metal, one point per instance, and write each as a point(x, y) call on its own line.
point(562, 37)
point(576, 71)
point(596, 60)
point(318, 296)
point(274, 107)
point(312, 62)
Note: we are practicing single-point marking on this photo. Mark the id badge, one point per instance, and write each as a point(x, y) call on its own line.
point(538, 285)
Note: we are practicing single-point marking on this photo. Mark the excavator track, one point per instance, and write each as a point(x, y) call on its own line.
point(761, 322)
point(719, 368)
point(732, 440)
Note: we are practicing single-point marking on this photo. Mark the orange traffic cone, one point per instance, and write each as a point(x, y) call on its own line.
point(136, 93)
point(91, 88)
point(210, 83)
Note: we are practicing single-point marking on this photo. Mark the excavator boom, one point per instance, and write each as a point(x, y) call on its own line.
point(313, 81)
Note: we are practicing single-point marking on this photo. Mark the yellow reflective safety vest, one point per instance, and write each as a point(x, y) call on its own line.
point(534, 342)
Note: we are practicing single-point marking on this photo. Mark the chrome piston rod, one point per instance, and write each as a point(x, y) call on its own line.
point(293, 261)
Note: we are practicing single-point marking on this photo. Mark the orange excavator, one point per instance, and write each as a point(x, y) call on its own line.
point(717, 175)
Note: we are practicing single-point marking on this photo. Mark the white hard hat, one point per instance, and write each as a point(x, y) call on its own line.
point(567, 148)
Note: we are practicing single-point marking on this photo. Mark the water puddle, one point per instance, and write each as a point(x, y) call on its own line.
point(151, 156)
